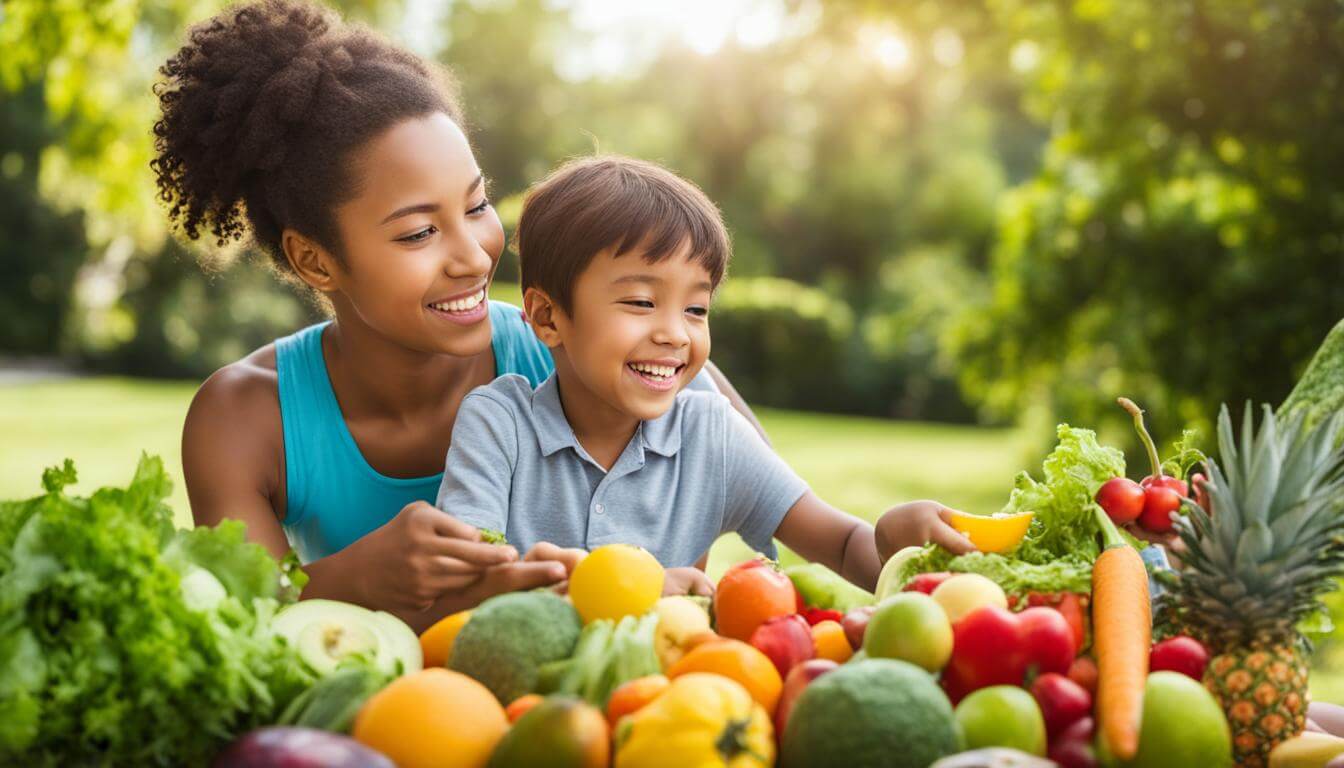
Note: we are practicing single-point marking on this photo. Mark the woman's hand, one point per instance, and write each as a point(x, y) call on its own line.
point(687, 581)
point(917, 523)
point(417, 556)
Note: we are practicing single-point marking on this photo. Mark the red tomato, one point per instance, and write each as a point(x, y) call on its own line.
point(1122, 499)
point(988, 648)
point(1180, 654)
point(1084, 672)
point(1047, 640)
point(926, 582)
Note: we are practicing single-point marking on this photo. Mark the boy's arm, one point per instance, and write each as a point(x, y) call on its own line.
point(478, 471)
point(856, 550)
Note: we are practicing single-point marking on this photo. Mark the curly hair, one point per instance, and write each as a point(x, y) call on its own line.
point(261, 111)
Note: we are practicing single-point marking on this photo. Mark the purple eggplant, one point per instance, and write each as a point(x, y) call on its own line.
point(283, 747)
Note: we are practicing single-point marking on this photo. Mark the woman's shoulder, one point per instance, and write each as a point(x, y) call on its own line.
point(517, 348)
point(239, 402)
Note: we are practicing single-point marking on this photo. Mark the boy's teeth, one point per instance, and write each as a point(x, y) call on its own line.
point(461, 305)
point(662, 371)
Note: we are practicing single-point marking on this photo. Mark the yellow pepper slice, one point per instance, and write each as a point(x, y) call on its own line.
point(993, 533)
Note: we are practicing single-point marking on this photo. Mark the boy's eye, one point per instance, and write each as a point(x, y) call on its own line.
point(641, 303)
point(698, 311)
point(480, 208)
point(418, 235)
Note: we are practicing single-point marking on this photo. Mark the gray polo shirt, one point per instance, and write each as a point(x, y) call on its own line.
point(697, 471)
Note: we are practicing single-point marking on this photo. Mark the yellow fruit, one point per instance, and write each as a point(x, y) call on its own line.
point(1308, 749)
point(437, 641)
point(966, 592)
point(679, 620)
point(616, 580)
point(993, 533)
point(434, 718)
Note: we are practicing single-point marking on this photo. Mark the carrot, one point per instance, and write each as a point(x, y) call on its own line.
point(1122, 629)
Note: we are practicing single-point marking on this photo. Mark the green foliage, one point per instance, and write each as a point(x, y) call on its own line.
point(1180, 243)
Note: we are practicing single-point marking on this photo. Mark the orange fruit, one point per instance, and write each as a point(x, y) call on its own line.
point(437, 641)
point(521, 705)
point(736, 661)
point(632, 695)
point(828, 637)
point(432, 718)
point(747, 595)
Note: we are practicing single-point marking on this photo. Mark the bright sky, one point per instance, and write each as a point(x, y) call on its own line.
point(628, 33)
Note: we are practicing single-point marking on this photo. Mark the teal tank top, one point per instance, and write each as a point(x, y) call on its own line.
point(333, 496)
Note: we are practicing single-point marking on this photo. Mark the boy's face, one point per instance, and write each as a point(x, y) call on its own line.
point(637, 332)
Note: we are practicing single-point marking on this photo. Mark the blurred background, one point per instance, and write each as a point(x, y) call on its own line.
point(955, 223)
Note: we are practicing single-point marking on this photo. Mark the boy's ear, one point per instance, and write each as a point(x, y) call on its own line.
point(541, 312)
point(313, 264)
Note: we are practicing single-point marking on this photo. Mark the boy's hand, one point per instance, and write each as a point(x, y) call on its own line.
point(687, 581)
point(916, 523)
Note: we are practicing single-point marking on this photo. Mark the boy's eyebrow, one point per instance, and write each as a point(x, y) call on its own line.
point(407, 210)
point(655, 280)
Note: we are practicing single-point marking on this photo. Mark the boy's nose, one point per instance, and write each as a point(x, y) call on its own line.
point(672, 332)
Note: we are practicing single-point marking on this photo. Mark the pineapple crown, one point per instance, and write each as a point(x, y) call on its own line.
point(1274, 541)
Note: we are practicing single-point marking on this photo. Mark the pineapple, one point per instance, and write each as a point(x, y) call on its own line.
point(1256, 566)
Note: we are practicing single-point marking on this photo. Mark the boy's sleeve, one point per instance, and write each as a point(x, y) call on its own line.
point(759, 487)
point(478, 472)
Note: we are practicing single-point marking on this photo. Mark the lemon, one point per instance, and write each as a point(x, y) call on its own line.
point(996, 533)
point(615, 580)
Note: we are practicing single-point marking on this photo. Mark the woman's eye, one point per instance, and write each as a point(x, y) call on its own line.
point(417, 236)
point(479, 209)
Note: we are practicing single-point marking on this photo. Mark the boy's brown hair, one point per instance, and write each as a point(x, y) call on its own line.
point(589, 205)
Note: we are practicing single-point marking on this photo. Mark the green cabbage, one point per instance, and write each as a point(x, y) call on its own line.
point(124, 641)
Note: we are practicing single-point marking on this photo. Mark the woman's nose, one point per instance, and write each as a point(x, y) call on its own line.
point(465, 256)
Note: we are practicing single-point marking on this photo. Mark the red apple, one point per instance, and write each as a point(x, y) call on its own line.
point(926, 582)
point(1180, 654)
point(988, 648)
point(1063, 702)
point(786, 640)
point(856, 624)
point(1048, 639)
point(798, 678)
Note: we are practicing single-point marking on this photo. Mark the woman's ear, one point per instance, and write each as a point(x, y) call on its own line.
point(313, 264)
point(541, 312)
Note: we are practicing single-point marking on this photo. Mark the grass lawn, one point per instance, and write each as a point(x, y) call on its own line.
point(860, 465)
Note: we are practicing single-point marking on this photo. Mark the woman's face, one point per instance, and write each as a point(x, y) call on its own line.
point(421, 240)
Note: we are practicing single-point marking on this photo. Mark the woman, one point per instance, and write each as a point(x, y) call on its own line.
point(343, 158)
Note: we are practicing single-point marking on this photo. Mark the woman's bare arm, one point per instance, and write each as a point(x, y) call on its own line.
point(727, 389)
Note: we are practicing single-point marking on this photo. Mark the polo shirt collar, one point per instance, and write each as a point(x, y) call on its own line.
point(661, 435)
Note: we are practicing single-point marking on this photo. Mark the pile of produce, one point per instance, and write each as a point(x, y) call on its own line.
point(125, 641)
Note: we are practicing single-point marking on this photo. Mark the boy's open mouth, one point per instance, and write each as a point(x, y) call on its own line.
point(659, 376)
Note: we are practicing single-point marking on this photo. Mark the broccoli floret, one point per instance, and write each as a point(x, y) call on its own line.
point(510, 636)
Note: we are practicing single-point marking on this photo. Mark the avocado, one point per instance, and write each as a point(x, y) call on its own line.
point(327, 632)
point(510, 636)
point(560, 732)
point(876, 713)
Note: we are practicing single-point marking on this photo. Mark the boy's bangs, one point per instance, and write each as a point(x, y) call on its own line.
point(660, 228)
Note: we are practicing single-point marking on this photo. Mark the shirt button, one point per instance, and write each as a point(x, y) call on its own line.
point(599, 509)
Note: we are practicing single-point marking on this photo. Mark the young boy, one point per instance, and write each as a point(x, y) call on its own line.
point(620, 259)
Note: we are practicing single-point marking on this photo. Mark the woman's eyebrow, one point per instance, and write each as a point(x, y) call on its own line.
point(428, 207)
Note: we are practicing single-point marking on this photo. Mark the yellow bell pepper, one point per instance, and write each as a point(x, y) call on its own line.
point(700, 721)
point(996, 533)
